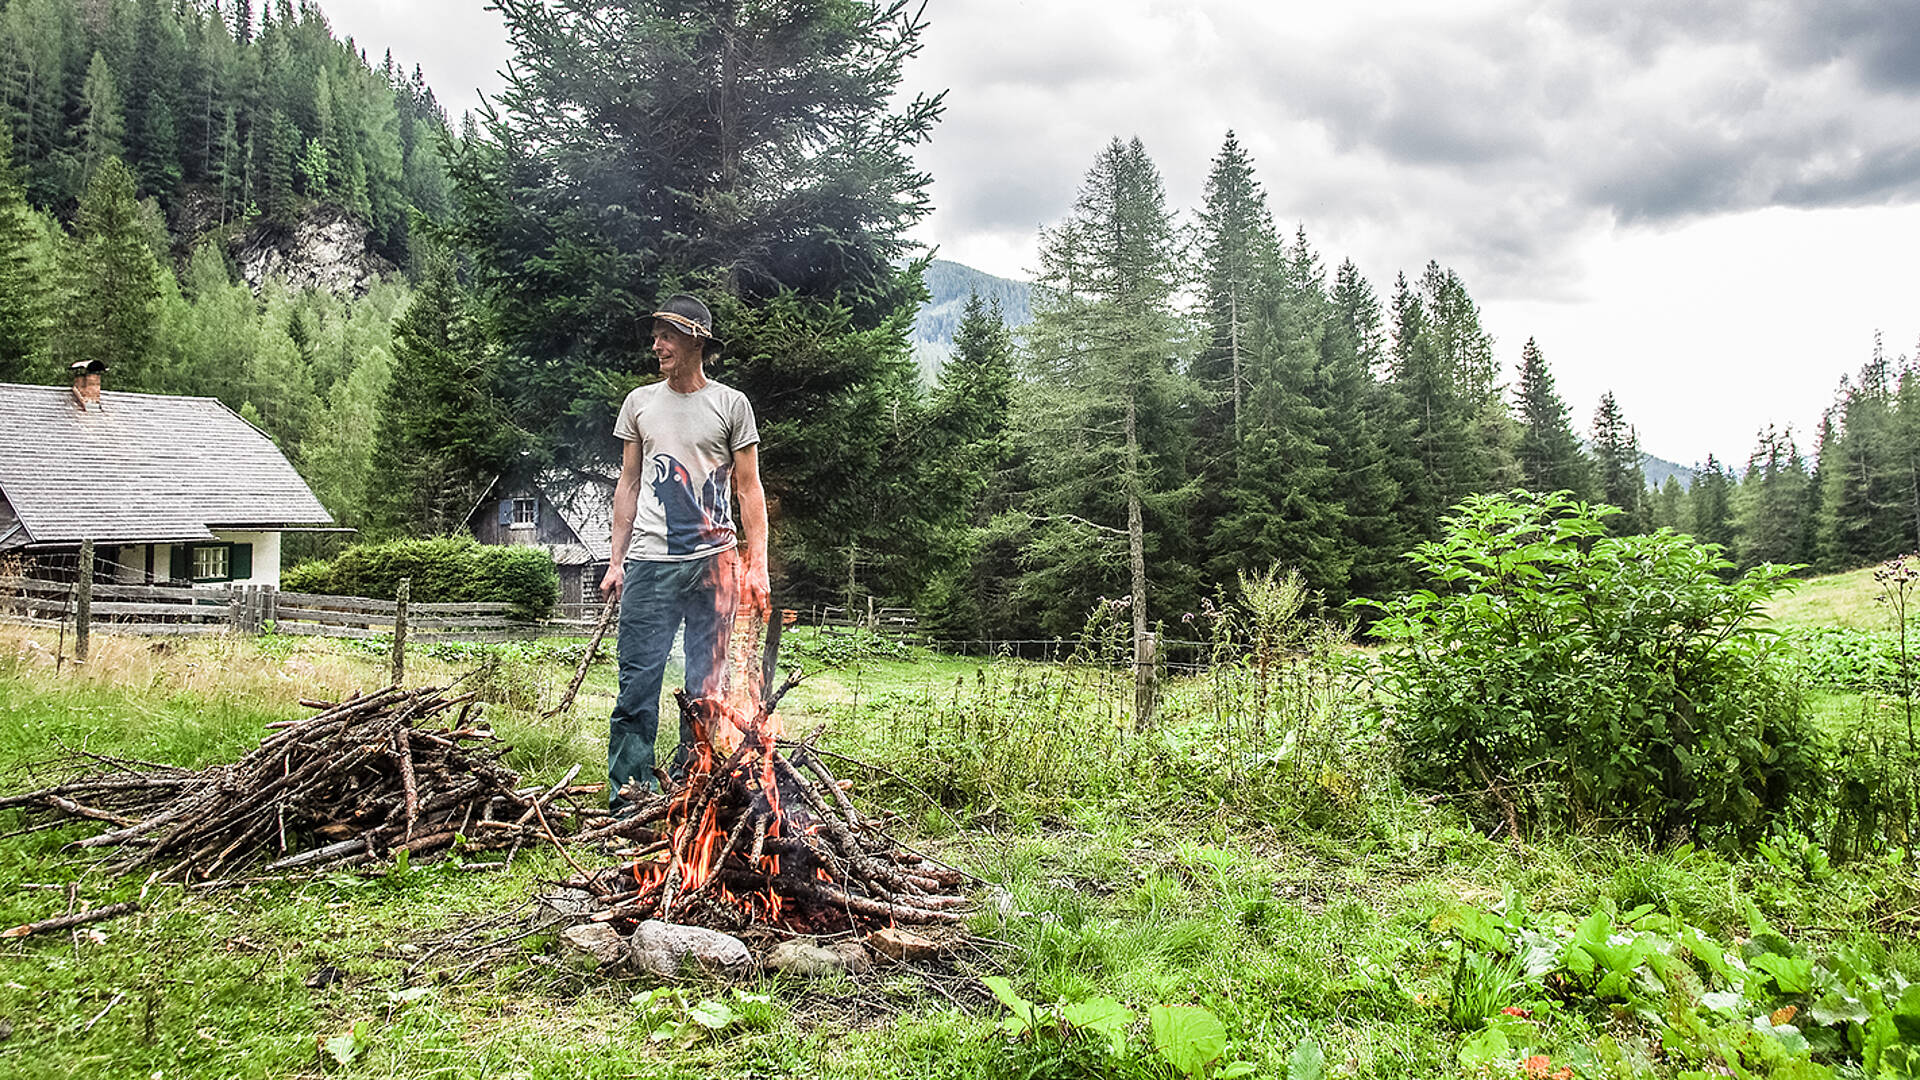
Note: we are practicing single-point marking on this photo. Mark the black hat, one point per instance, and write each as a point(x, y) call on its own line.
point(87, 367)
point(689, 316)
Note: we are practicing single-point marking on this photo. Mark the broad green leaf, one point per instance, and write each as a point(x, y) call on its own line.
point(1792, 974)
point(1003, 990)
point(1237, 1070)
point(1906, 1015)
point(349, 1044)
point(1836, 1007)
point(710, 1014)
point(1722, 1001)
point(1711, 954)
point(1188, 1036)
point(1102, 1016)
point(1484, 1047)
point(1308, 1061)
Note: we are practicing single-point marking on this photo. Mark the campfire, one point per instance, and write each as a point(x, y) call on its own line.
point(760, 835)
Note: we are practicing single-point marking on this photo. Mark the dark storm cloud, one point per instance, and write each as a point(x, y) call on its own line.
point(1881, 36)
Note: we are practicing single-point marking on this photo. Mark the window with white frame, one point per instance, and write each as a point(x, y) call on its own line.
point(526, 512)
point(212, 563)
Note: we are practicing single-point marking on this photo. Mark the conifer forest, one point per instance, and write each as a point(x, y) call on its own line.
point(1200, 394)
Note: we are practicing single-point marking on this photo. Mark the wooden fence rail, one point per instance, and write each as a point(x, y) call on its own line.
point(159, 610)
point(163, 610)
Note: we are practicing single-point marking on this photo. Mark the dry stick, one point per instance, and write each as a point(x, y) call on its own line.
point(909, 785)
point(548, 829)
point(819, 769)
point(97, 1017)
point(733, 840)
point(759, 838)
point(407, 782)
point(580, 673)
point(551, 792)
point(77, 810)
point(62, 922)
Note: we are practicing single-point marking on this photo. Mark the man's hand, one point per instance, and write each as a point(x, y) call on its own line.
point(616, 578)
point(753, 598)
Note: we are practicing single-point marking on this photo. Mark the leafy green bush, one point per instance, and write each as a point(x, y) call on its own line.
point(446, 570)
point(1569, 676)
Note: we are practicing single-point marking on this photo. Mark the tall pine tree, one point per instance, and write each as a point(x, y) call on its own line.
point(441, 439)
point(1551, 458)
point(1618, 477)
point(1107, 406)
point(754, 152)
point(23, 294)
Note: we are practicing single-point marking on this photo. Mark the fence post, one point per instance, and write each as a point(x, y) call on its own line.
point(83, 603)
point(269, 606)
point(400, 631)
point(237, 609)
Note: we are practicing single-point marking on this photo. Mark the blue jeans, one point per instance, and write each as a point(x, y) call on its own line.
point(657, 598)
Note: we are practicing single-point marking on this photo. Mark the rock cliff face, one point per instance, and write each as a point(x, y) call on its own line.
point(325, 249)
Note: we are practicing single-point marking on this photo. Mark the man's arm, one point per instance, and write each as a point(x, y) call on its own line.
point(753, 529)
point(626, 503)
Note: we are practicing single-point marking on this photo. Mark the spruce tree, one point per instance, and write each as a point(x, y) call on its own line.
point(441, 438)
point(751, 151)
point(112, 282)
point(1618, 477)
point(1860, 471)
point(967, 446)
point(1550, 455)
point(1107, 406)
point(1360, 419)
point(1771, 509)
point(1282, 506)
point(1712, 506)
point(1239, 254)
point(23, 293)
point(103, 126)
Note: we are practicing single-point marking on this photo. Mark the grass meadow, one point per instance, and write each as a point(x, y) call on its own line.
point(1253, 854)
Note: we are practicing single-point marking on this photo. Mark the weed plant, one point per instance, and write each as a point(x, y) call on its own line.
point(1571, 678)
point(1277, 725)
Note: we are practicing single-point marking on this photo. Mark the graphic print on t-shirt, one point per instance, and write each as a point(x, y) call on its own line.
point(694, 521)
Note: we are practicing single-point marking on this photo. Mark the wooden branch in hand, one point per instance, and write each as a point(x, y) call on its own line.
point(580, 673)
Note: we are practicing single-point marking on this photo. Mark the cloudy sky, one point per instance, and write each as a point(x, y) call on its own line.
point(1707, 207)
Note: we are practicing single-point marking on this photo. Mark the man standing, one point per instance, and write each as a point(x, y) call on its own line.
point(689, 445)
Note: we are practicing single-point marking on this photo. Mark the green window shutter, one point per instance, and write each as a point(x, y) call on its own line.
point(240, 562)
point(180, 566)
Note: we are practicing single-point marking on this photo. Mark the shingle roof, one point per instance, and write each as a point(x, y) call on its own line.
point(142, 468)
point(586, 505)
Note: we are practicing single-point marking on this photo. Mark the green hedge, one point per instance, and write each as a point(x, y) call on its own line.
point(449, 570)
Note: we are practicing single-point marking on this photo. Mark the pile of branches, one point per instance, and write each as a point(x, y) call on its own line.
point(359, 782)
point(765, 837)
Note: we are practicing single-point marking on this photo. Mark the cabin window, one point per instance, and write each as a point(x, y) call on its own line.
point(212, 564)
point(526, 511)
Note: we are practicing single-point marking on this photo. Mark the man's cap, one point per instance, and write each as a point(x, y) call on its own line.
point(87, 367)
point(689, 316)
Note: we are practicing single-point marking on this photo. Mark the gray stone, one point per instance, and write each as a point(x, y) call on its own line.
point(661, 948)
point(799, 957)
point(595, 946)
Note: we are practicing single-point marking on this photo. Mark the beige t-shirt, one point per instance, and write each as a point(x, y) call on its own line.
point(687, 442)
